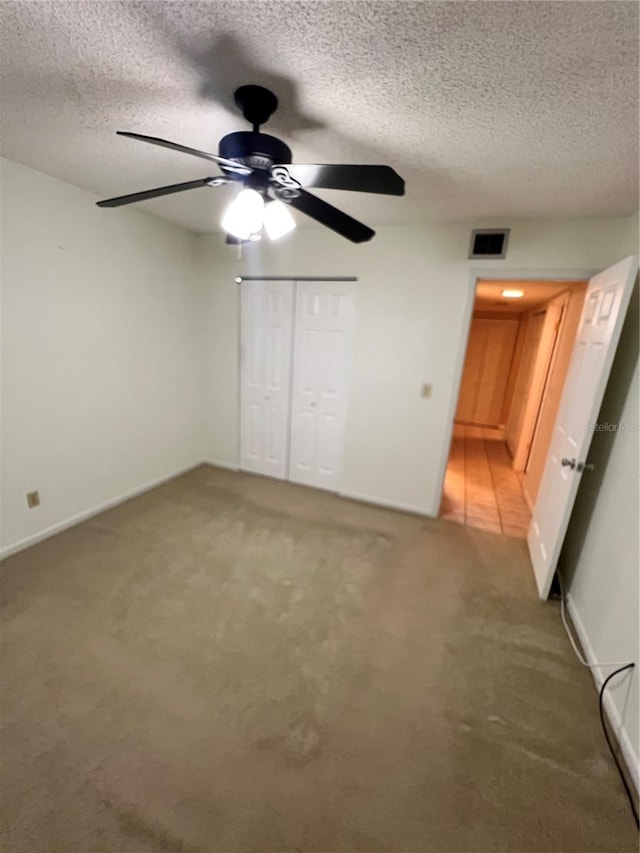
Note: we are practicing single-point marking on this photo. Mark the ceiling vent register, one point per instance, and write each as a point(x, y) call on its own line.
point(489, 243)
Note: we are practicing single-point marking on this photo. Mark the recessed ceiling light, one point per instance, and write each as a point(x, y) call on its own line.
point(513, 294)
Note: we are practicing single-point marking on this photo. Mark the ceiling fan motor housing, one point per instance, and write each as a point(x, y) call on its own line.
point(256, 102)
point(258, 150)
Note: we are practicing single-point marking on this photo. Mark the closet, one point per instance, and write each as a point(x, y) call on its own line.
point(296, 339)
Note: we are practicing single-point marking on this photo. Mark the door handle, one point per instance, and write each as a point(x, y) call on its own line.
point(568, 463)
point(584, 466)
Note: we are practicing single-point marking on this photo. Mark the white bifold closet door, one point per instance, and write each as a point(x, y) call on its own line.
point(265, 376)
point(296, 347)
point(322, 349)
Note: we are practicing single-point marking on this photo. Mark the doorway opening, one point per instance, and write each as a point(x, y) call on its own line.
point(518, 351)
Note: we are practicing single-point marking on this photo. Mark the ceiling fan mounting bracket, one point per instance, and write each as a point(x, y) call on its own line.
point(257, 104)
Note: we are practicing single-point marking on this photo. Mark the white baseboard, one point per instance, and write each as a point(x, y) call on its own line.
point(216, 463)
point(21, 544)
point(629, 754)
point(402, 507)
point(354, 496)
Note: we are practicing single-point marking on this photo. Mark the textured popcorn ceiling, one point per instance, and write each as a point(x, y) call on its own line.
point(488, 109)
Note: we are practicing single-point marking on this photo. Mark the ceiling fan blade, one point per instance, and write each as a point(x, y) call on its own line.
point(230, 165)
point(173, 188)
point(363, 179)
point(230, 240)
point(330, 216)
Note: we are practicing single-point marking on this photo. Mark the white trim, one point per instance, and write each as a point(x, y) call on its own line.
point(239, 354)
point(34, 538)
point(557, 275)
point(629, 754)
point(217, 463)
point(353, 496)
point(500, 274)
point(375, 501)
point(457, 382)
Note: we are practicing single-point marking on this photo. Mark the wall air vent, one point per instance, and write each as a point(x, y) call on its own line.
point(489, 243)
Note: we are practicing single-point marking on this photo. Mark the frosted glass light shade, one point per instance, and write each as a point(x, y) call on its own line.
point(244, 216)
point(278, 220)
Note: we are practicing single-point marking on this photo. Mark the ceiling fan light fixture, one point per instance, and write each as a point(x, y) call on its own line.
point(278, 220)
point(262, 164)
point(513, 294)
point(245, 214)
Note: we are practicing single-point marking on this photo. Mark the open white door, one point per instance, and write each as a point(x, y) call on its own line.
point(603, 314)
point(265, 376)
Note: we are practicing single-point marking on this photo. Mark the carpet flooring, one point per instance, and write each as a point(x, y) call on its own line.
point(235, 665)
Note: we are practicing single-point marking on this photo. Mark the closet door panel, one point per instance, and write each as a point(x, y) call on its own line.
point(265, 376)
point(323, 332)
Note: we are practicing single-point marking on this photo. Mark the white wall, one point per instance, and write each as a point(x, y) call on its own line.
point(101, 380)
point(414, 299)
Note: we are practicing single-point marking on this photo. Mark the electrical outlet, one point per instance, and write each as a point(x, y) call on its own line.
point(426, 390)
point(33, 499)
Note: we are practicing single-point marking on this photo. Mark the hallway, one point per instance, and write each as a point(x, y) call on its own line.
point(481, 489)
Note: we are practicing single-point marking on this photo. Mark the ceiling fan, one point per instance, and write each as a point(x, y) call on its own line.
point(269, 181)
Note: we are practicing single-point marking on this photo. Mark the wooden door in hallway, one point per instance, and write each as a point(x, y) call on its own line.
point(486, 371)
point(605, 306)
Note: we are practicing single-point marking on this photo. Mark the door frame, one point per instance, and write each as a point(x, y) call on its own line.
point(477, 272)
point(544, 361)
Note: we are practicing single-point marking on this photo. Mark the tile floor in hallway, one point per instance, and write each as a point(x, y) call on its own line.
point(481, 489)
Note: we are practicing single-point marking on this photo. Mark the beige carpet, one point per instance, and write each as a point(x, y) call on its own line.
point(235, 665)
